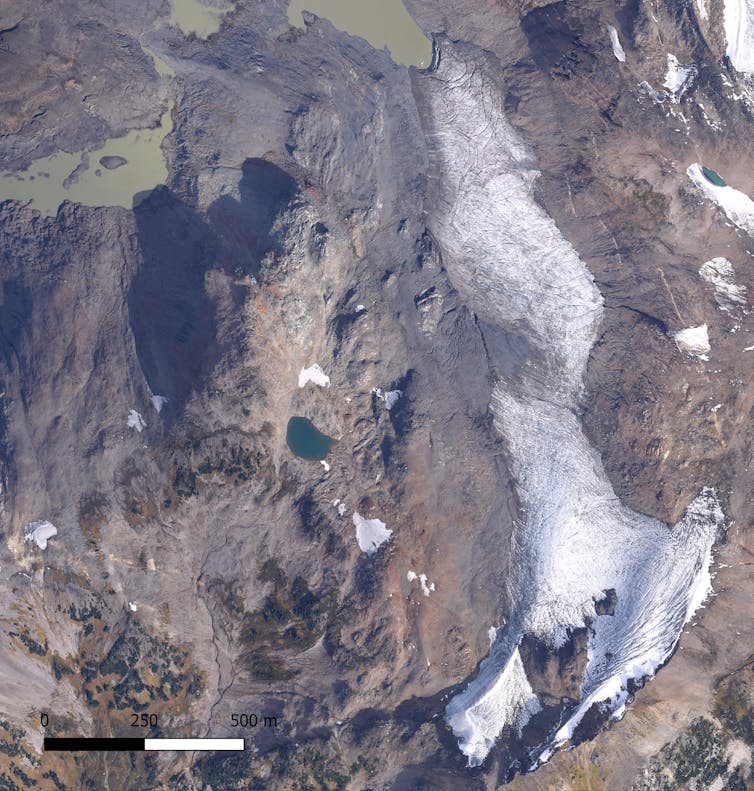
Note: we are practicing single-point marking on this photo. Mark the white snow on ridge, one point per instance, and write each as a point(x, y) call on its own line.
point(39, 532)
point(135, 420)
point(702, 9)
point(574, 539)
point(678, 78)
point(313, 374)
point(720, 273)
point(615, 42)
point(371, 534)
point(739, 32)
point(693, 341)
point(738, 206)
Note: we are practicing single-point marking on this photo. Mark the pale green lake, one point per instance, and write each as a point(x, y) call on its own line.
point(383, 23)
point(42, 182)
point(193, 16)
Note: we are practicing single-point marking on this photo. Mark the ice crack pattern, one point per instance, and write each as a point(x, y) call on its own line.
point(575, 540)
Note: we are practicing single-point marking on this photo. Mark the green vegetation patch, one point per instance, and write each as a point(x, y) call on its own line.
point(292, 618)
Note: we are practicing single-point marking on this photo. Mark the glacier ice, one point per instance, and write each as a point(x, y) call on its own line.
point(574, 539)
point(738, 21)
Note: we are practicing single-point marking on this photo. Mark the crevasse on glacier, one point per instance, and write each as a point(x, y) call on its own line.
point(575, 539)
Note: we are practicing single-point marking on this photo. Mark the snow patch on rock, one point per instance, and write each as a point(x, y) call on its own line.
point(615, 42)
point(390, 397)
point(158, 402)
point(426, 588)
point(135, 420)
point(678, 78)
point(693, 341)
point(313, 374)
point(720, 273)
point(371, 534)
point(39, 532)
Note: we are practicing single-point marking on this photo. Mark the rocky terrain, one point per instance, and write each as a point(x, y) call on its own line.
point(150, 361)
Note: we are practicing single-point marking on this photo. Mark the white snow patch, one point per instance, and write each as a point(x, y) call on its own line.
point(738, 206)
point(693, 341)
point(716, 408)
point(719, 272)
point(325, 465)
point(158, 402)
point(678, 78)
point(426, 589)
point(371, 534)
point(492, 634)
point(702, 9)
point(132, 606)
point(360, 308)
point(615, 41)
point(39, 532)
point(512, 265)
point(738, 21)
point(313, 374)
point(340, 506)
point(390, 397)
point(135, 420)
point(749, 348)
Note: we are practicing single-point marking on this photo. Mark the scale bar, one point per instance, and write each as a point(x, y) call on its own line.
point(136, 745)
point(193, 744)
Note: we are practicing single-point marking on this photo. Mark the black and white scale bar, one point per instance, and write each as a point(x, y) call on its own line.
point(136, 745)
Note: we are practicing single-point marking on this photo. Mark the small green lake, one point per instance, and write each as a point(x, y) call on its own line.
point(305, 440)
point(713, 177)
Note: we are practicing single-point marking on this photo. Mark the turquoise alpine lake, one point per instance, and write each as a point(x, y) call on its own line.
point(306, 441)
point(713, 177)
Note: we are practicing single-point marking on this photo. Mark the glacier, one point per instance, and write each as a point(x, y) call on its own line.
point(738, 22)
point(574, 539)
